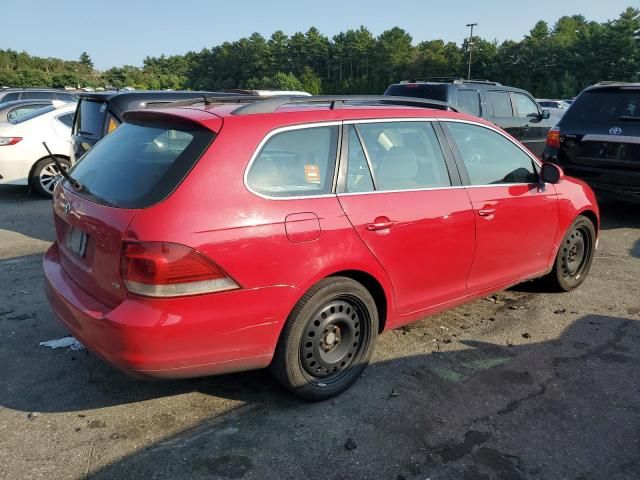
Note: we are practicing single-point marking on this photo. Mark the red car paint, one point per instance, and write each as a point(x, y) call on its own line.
point(419, 251)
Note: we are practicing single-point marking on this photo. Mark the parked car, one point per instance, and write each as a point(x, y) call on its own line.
point(98, 114)
point(12, 94)
point(23, 158)
point(16, 109)
point(598, 139)
point(510, 108)
point(290, 232)
point(556, 108)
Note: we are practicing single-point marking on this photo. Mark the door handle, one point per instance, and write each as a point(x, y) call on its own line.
point(486, 212)
point(372, 227)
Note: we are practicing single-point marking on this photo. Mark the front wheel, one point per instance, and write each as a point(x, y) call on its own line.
point(574, 257)
point(45, 175)
point(328, 339)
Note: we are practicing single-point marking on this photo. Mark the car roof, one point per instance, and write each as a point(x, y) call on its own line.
point(210, 115)
point(613, 85)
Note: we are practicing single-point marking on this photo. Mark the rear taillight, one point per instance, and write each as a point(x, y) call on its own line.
point(4, 141)
point(160, 269)
point(553, 138)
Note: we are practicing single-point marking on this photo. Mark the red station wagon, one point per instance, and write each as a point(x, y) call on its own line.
point(290, 232)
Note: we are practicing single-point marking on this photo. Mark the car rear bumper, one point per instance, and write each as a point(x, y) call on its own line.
point(14, 167)
point(172, 338)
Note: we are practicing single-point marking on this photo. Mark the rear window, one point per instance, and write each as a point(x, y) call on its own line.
point(604, 107)
point(90, 119)
point(419, 90)
point(32, 114)
point(140, 164)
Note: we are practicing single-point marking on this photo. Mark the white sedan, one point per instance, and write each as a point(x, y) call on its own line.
point(23, 158)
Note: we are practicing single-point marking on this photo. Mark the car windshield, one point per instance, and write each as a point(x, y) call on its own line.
point(32, 114)
point(138, 165)
point(604, 107)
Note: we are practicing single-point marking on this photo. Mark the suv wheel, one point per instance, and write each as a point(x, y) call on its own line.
point(328, 339)
point(575, 256)
point(45, 174)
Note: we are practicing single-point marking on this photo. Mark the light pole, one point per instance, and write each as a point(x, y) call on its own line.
point(471, 25)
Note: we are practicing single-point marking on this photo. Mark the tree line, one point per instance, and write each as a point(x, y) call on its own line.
point(550, 61)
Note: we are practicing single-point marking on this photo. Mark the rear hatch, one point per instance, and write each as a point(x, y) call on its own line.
point(88, 126)
point(138, 165)
point(600, 135)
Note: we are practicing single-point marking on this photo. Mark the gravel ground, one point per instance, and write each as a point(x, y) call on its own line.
point(520, 385)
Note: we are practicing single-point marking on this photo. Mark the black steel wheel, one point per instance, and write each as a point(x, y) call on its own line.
point(328, 339)
point(575, 255)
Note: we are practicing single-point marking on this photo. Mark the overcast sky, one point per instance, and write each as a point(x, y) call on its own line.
point(117, 32)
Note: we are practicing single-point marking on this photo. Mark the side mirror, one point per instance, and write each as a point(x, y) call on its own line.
point(545, 114)
point(550, 173)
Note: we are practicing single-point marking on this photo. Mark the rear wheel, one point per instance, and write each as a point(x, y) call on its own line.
point(574, 257)
point(328, 339)
point(45, 175)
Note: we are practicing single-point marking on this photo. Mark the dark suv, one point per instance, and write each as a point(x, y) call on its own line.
point(512, 109)
point(100, 113)
point(12, 94)
point(598, 139)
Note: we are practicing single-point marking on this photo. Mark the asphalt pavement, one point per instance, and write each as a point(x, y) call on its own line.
point(520, 385)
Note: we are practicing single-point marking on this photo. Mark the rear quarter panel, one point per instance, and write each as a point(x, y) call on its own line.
point(213, 212)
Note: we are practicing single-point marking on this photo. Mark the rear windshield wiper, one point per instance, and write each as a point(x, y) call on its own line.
point(629, 118)
point(74, 183)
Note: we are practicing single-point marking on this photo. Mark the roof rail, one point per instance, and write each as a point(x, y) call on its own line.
point(270, 105)
point(451, 80)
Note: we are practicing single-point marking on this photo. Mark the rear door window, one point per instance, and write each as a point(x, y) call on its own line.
point(20, 111)
point(140, 164)
point(37, 95)
point(607, 107)
point(404, 155)
point(501, 102)
point(469, 101)
point(296, 162)
point(90, 119)
point(10, 97)
point(358, 172)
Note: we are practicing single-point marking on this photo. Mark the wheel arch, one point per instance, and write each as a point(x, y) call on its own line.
point(591, 215)
point(374, 287)
point(33, 167)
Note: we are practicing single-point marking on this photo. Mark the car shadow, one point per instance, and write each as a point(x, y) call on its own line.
point(447, 411)
point(21, 212)
point(618, 214)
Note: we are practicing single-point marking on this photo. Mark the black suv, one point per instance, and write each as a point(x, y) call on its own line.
point(510, 108)
point(98, 114)
point(598, 139)
point(12, 94)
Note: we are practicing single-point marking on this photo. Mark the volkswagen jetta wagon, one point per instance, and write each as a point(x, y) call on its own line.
point(238, 234)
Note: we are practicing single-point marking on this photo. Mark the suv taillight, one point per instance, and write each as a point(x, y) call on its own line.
point(553, 138)
point(161, 269)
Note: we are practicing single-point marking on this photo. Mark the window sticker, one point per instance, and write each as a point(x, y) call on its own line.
point(312, 173)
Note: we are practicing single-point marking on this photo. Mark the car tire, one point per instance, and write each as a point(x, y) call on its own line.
point(327, 340)
point(574, 257)
point(43, 175)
